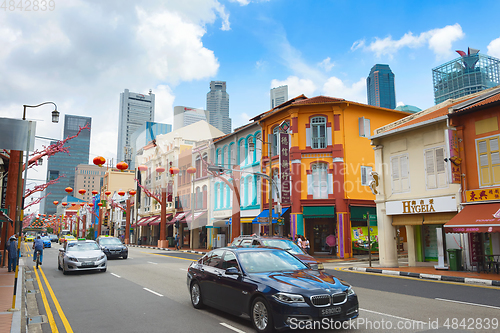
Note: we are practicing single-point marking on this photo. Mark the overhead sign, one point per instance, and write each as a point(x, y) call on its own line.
point(421, 206)
point(284, 160)
point(14, 134)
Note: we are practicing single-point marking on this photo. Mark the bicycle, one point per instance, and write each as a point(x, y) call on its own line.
point(38, 253)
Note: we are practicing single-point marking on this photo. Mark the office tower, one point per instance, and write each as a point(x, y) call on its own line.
point(144, 135)
point(468, 74)
point(184, 116)
point(135, 110)
point(89, 178)
point(218, 106)
point(380, 87)
point(65, 164)
point(279, 95)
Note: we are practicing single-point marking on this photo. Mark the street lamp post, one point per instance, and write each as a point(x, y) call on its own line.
point(22, 188)
point(192, 171)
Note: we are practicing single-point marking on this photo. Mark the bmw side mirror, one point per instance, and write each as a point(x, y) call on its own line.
point(232, 271)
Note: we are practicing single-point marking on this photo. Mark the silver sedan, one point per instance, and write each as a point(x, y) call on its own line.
point(82, 255)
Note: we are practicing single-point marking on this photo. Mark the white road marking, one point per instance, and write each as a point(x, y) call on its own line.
point(467, 303)
point(388, 315)
point(153, 292)
point(118, 276)
point(154, 263)
point(232, 328)
point(183, 269)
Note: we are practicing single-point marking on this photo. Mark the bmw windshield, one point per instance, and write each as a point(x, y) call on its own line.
point(269, 261)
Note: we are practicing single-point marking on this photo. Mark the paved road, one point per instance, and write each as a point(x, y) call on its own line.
point(147, 293)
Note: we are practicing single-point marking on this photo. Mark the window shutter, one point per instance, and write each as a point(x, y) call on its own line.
point(430, 169)
point(440, 166)
point(395, 168)
point(405, 176)
point(363, 176)
point(366, 128)
point(361, 126)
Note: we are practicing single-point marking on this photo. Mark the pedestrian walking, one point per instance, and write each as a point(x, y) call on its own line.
point(299, 241)
point(12, 248)
point(306, 245)
point(176, 240)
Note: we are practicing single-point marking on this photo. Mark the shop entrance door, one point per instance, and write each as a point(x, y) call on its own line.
point(318, 241)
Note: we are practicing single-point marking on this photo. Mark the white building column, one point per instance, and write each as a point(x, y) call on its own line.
point(388, 254)
point(410, 236)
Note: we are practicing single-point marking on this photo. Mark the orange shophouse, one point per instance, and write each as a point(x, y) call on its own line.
point(475, 154)
point(330, 160)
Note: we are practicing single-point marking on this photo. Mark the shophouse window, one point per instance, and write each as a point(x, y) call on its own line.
point(249, 191)
point(241, 152)
point(258, 146)
point(320, 180)
point(232, 153)
point(318, 125)
point(204, 164)
point(274, 150)
point(216, 192)
point(435, 168)
point(258, 190)
point(204, 197)
point(251, 149)
point(399, 173)
point(488, 156)
point(365, 175)
point(225, 157)
point(364, 127)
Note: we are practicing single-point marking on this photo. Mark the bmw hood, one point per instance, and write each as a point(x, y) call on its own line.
point(305, 281)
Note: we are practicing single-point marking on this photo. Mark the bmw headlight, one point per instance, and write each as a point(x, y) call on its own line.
point(321, 266)
point(289, 298)
point(350, 292)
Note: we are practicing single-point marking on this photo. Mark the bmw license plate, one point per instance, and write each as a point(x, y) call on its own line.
point(330, 311)
point(87, 263)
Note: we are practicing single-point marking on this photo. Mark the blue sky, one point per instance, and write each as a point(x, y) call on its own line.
point(83, 54)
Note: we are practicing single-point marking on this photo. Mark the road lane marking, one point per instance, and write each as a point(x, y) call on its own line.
point(164, 255)
point(467, 303)
point(154, 263)
point(118, 276)
point(183, 269)
point(64, 320)
point(154, 292)
point(52, 322)
point(232, 328)
point(392, 316)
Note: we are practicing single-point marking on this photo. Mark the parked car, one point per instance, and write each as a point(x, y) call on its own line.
point(112, 247)
point(81, 255)
point(46, 241)
point(29, 238)
point(278, 242)
point(271, 286)
point(54, 238)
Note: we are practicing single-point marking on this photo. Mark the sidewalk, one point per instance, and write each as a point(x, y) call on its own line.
point(10, 322)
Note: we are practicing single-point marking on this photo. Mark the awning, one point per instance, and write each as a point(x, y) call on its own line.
point(318, 211)
point(179, 217)
point(476, 218)
point(197, 221)
point(157, 219)
point(358, 213)
point(144, 221)
point(219, 224)
point(265, 213)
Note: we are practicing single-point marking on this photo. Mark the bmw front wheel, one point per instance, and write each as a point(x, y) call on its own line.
point(196, 299)
point(261, 316)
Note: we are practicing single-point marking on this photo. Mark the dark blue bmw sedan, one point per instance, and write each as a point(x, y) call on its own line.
point(270, 286)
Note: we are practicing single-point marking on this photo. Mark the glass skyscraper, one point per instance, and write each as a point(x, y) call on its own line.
point(380, 87)
point(218, 106)
point(65, 164)
point(470, 73)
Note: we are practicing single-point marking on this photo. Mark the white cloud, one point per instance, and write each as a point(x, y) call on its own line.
point(335, 87)
point(296, 86)
point(494, 48)
point(438, 40)
point(164, 104)
point(326, 64)
point(400, 104)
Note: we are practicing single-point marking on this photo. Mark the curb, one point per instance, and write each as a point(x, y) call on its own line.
point(164, 249)
point(482, 282)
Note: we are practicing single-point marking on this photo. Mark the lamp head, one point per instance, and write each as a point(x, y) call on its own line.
point(55, 116)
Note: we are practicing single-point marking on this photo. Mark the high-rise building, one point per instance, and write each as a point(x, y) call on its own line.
point(62, 164)
point(135, 110)
point(279, 95)
point(184, 116)
point(468, 74)
point(89, 178)
point(380, 87)
point(218, 106)
point(144, 135)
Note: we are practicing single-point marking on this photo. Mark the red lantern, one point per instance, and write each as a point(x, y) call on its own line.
point(94, 192)
point(99, 160)
point(64, 204)
point(82, 204)
point(132, 192)
point(160, 169)
point(82, 191)
point(91, 204)
point(191, 170)
point(99, 204)
point(174, 170)
point(142, 167)
point(73, 204)
point(122, 193)
point(44, 215)
point(122, 166)
point(107, 193)
point(68, 189)
point(55, 203)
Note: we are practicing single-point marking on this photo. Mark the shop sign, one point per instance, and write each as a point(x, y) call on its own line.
point(475, 247)
point(284, 160)
point(222, 213)
point(422, 205)
point(359, 236)
point(484, 194)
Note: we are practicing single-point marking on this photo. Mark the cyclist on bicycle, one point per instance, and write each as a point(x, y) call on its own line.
point(38, 246)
